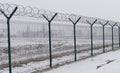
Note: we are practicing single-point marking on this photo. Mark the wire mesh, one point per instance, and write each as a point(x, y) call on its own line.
point(116, 37)
point(83, 40)
point(30, 43)
point(62, 42)
point(108, 37)
point(97, 39)
point(3, 45)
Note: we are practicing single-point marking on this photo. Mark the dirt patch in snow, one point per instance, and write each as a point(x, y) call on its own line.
point(108, 62)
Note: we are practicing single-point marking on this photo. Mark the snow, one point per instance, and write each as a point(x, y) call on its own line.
point(104, 63)
point(33, 66)
point(24, 50)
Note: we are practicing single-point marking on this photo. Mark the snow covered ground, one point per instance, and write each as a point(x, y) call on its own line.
point(29, 55)
point(41, 65)
point(104, 63)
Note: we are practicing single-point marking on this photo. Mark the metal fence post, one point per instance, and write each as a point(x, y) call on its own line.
point(112, 39)
point(119, 35)
point(112, 26)
point(8, 35)
point(103, 27)
point(113, 36)
point(49, 27)
point(74, 27)
point(91, 27)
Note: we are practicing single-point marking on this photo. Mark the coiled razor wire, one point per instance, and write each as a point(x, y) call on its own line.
point(37, 13)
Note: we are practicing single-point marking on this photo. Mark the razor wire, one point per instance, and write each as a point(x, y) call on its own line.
point(37, 13)
point(49, 16)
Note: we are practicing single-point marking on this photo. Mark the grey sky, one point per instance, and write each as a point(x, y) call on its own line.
point(106, 9)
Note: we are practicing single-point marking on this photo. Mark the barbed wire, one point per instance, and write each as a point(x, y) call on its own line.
point(37, 13)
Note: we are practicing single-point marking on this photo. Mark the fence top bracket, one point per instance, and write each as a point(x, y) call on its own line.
point(8, 17)
point(92, 22)
point(50, 20)
point(75, 21)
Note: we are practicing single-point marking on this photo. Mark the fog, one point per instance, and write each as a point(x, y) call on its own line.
point(105, 9)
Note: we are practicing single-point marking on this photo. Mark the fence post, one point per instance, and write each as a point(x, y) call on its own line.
point(74, 27)
point(119, 35)
point(103, 27)
point(91, 27)
point(112, 35)
point(49, 27)
point(8, 35)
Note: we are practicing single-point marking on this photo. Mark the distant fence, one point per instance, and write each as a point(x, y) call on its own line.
point(36, 35)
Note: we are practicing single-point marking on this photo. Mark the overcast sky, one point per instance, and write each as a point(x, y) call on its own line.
point(106, 9)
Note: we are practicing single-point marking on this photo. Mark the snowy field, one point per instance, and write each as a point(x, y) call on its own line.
point(104, 63)
point(32, 54)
